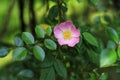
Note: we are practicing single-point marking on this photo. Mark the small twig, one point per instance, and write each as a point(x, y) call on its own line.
point(47, 6)
point(21, 15)
point(59, 10)
point(32, 16)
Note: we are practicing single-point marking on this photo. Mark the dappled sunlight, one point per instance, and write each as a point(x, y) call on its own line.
point(6, 60)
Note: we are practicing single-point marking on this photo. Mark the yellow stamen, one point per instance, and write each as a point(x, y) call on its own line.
point(67, 34)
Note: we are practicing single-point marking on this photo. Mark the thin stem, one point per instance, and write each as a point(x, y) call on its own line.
point(21, 15)
point(59, 2)
point(32, 16)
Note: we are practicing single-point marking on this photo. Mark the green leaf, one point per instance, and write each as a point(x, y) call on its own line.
point(112, 34)
point(107, 57)
point(118, 51)
point(26, 73)
point(50, 44)
point(18, 40)
point(64, 9)
point(60, 68)
point(97, 20)
point(94, 2)
point(48, 74)
point(40, 32)
point(4, 51)
point(94, 57)
point(104, 76)
point(19, 54)
point(90, 39)
point(53, 12)
point(49, 60)
point(101, 45)
point(107, 18)
point(111, 44)
point(27, 38)
point(92, 76)
point(48, 31)
point(38, 53)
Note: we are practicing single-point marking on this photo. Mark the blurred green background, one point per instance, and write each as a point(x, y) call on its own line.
point(87, 15)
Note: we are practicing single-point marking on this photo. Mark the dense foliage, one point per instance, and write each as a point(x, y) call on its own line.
point(38, 54)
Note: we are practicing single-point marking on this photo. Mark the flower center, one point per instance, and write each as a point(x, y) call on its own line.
point(67, 34)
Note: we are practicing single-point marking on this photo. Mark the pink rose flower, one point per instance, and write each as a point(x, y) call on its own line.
point(67, 34)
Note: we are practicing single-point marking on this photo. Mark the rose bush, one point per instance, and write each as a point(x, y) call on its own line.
point(65, 46)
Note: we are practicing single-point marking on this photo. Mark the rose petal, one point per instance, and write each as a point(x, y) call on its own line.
point(66, 25)
point(63, 42)
point(73, 41)
point(75, 32)
point(57, 32)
